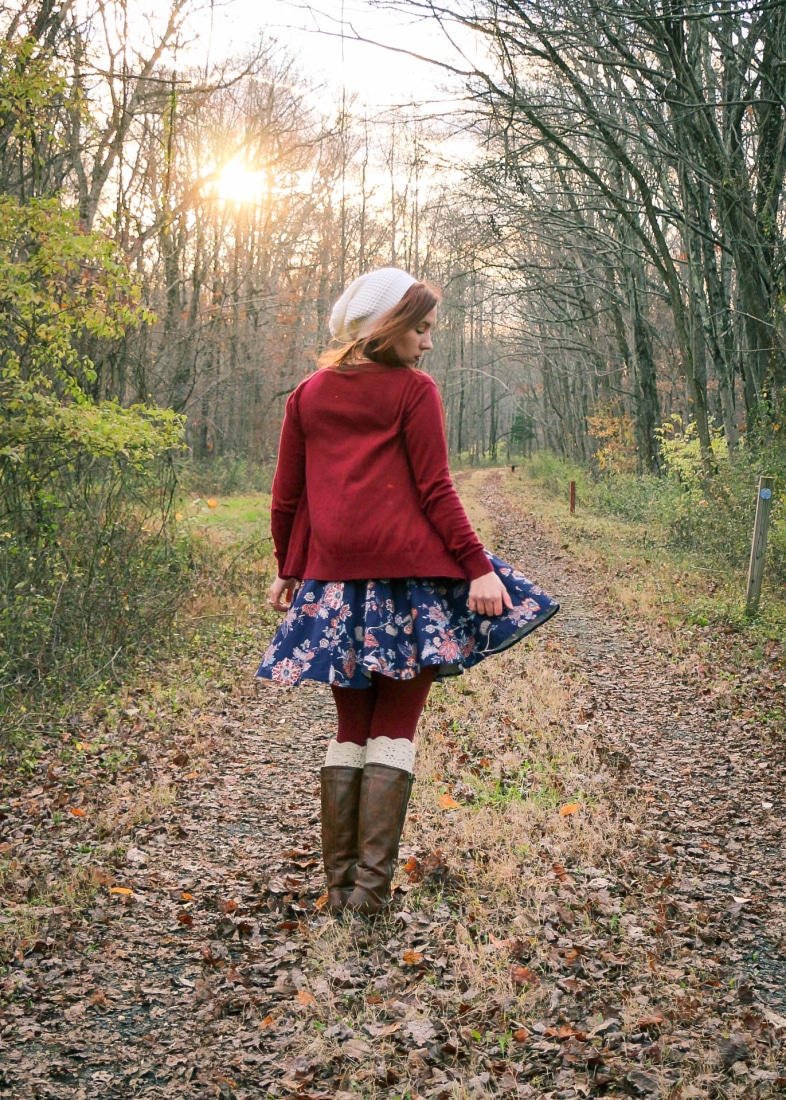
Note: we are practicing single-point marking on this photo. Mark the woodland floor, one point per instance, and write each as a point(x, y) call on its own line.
point(636, 946)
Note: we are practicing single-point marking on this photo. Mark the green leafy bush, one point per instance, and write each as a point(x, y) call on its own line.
point(710, 516)
point(89, 567)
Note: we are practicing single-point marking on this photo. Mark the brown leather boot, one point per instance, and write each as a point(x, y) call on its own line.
point(384, 795)
point(340, 798)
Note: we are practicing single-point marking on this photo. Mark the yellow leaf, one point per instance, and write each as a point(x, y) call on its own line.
point(303, 997)
point(571, 808)
point(120, 890)
point(83, 746)
point(447, 803)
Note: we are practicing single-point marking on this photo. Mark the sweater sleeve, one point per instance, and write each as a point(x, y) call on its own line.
point(424, 435)
point(289, 482)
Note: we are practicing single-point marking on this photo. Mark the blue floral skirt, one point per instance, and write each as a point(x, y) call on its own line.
point(339, 632)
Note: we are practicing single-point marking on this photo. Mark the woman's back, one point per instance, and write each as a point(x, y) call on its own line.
point(368, 445)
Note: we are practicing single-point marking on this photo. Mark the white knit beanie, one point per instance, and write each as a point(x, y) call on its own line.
point(367, 298)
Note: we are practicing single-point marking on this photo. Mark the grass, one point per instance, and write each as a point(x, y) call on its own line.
point(229, 521)
point(635, 565)
point(231, 562)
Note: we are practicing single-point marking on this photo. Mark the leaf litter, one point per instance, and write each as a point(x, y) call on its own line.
point(590, 899)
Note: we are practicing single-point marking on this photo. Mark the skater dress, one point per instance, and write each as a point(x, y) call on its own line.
point(365, 516)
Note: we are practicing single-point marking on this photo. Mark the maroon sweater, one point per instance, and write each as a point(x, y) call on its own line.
point(362, 487)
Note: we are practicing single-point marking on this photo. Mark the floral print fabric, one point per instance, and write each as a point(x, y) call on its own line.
point(340, 632)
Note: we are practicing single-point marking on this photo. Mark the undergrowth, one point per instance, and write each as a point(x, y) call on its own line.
point(676, 546)
point(197, 613)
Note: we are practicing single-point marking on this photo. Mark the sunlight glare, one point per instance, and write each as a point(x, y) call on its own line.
point(237, 183)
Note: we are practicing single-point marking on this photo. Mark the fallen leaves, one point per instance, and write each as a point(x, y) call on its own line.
point(555, 972)
point(523, 976)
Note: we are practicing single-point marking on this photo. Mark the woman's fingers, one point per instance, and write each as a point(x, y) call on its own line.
point(488, 596)
point(279, 588)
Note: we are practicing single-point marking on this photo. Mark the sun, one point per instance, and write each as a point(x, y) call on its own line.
point(237, 183)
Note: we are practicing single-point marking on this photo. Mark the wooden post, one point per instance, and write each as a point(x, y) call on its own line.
point(759, 545)
point(572, 497)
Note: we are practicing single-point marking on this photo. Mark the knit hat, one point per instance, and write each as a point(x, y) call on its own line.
point(367, 298)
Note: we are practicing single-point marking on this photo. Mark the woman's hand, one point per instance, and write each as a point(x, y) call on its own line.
point(488, 596)
point(278, 588)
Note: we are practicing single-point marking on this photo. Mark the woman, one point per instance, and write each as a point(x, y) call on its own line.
point(388, 584)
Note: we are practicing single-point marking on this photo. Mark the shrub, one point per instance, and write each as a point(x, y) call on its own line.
point(88, 565)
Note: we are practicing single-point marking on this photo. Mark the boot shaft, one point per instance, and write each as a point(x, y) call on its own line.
point(384, 797)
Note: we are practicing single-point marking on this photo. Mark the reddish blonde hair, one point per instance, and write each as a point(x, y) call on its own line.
point(377, 343)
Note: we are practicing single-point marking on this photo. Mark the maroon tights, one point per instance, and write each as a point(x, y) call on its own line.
point(389, 708)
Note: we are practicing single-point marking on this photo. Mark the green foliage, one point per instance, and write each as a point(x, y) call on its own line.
point(710, 517)
point(31, 95)
point(682, 454)
point(90, 567)
point(59, 286)
point(522, 433)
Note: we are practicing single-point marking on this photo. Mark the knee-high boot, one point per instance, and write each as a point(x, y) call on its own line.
point(340, 787)
point(384, 796)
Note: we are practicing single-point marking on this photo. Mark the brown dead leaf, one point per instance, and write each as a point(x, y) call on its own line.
point(521, 1035)
point(414, 869)
point(522, 975)
point(567, 810)
point(411, 958)
point(303, 997)
point(447, 803)
point(186, 919)
point(564, 1031)
point(649, 1021)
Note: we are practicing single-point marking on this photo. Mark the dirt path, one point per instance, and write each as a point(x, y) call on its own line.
point(714, 789)
point(169, 986)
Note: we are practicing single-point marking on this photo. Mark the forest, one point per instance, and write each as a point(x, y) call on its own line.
point(590, 895)
point(602, 207)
